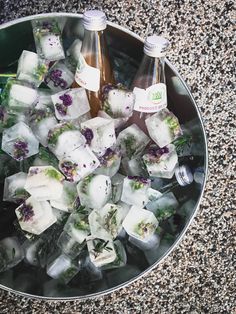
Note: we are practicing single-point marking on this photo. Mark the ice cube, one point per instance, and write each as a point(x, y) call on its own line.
point(94, 191)
point(14, 188)
point(101, 252)
point(47, 36)
point(79, 163)
point(99, 133)
point(35, 216)
point(132, 141)
point(77, 226)
point(117, 187)
point(133, 167)
point(63, 139)
point(135, 191)
point(153, 196)
point(66, 201)
point(62, 268)
point(19, 142)
point(11, 253)
point(163, 127)
point(69, 245)
point(70, 104)
point(109, 162)
point(74, 49)
point(20, 96)
point(118, 103)
point(88, 271)
point(31, 251)
point(77, 122)
point(140, 223)
point(121, 258)
point(44, 183)
point(106, 223)
point(59, 77)
point(41, 121)
point(31, 68)
point(44, 99)
point(164, 207)
point(161, 162)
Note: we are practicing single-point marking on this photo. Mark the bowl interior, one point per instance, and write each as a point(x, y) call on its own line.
point(126, 53)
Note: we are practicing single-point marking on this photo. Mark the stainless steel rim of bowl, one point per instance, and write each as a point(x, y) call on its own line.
point(174, 245)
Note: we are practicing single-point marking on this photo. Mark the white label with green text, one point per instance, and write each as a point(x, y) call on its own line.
point(87, 76)
point(152, 99)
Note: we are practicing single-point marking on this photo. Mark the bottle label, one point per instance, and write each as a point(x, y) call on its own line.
point(87, 76)
point(152, 99)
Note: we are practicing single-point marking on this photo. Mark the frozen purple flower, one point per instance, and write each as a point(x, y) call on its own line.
point(139, 179)
point(26, 212)
point(69, 169)
point(33, 171)
point(107, 156)
point(66, 99)
point(61, 109)
point(20, 150)
point(156, 151)
point(88, 134)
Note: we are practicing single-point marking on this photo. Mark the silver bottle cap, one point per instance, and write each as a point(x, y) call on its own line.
point(156, 46)
point(183, 175)
point(94, 20)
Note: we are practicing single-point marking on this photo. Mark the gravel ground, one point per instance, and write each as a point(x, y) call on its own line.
point(198, 277)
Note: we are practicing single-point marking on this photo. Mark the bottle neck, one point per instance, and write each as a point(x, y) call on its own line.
point(151, 71)
point(94, 47)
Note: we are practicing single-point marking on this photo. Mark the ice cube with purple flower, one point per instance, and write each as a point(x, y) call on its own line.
point(19, 142)
point(35, 216)
point(161, 162)
point(59, 77)
point(99, 133)
point(48, 41)
point(163, 127)
point(79, 163)
point(109, 162)
point(70, 104)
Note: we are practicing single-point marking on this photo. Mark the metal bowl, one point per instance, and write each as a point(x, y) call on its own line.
point(126, 48)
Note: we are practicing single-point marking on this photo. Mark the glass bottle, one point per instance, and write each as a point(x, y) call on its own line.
point(94, 68)
point(149, 84)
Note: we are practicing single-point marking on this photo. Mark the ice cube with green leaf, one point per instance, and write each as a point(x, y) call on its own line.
point(14, 190)
point(44, 183)
point(135, 190)
point(132, 141)
point(101, 252)
point(163, 127)
point(94, 190)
